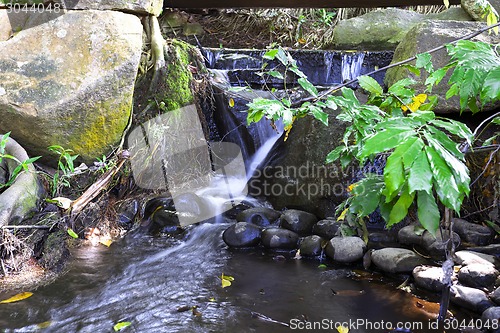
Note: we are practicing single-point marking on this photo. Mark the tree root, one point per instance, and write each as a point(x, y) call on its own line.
point(157, 49)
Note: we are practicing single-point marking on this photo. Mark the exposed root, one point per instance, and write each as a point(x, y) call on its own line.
point(157, 45)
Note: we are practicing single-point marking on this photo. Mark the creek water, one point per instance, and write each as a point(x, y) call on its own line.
point(154, 283)
point(147, 280)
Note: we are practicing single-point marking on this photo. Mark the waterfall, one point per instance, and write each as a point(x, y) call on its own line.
point(352, 63)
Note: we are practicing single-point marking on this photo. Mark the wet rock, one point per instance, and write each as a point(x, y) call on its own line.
point(165, 218)
point(298, 221)
point(191, 208)
point(70, 87)
point(55, 251)
point(260, 216)
point(396, 260)
point(472, 232)
point(345, 249)
point(312, 245)
point(409, 235)
point(465, 257)
point(470, 298)
point(478, 275)
point(425, 36)
point(477, 9)
point(428, 277)
point(277, 238)
point(21, 198)
point(490, 317)
point(326, 228)
point(435, 246)
point(155, 204)
point(242, 234)
point(231, 210)
point(378, 240)
point(491, 249)
point(495, 296)
point(127, 213)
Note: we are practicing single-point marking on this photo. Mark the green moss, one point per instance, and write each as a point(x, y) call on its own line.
point(176, 84)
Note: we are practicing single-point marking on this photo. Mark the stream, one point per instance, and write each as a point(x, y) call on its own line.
point(146, 280)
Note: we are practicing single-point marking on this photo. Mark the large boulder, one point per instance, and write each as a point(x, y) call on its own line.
point(69, 79)
point(345, 249)
point(384, 29)
point(472, 232)
point(296, 174)
point(396, 260)
point(424, 37)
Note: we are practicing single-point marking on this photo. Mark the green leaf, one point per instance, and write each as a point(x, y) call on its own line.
point(400, 209)
point(453, 91)
point(370, 84)
point(384, 140)
point(444, 180)
point(308, 86)
point(424, 60)
point(496, 120)
point(319, 114)
point(491, 86)
point(121, 325)
point(366, 195)
point(394, 176)
point(427, 211)
point(420, 174)
point(412, 69)
point(423, 116)
point(400, 88)
point(335, 154)
point(444, 140)
point(435, 78)
point(72, 233)
point(455, 127)
point(271, 54)
point(276, 74)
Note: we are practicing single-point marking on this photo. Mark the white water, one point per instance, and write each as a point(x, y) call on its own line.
point(351, 65)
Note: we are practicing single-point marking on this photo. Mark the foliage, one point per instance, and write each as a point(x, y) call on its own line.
point(226, 280)
point(424, 162)
point(65, 167)
point(17, 298)
point(476, 74)
point(275, 109)
point(21, 165)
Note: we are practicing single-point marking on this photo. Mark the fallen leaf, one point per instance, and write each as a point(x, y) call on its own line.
point(72, 233)
point(342, 215)
point(106, 242)
point(17, 298)
point(342, 329)
point(62, 202)
point(45, 324)
point(231, 102)
point(121, 325)
point(226, 280)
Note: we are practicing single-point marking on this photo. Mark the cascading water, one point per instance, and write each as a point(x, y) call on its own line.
point(351, 65)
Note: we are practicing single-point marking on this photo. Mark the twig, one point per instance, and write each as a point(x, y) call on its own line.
point(479, 211)
point(486, 166)
point(333, 89)
point(95, 189)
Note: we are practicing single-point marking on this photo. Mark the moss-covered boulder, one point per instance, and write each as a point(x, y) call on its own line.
point(384, 29)
point(426, 36)
point(68, 80)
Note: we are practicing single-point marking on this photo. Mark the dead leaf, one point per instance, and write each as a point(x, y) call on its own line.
point(17, 298)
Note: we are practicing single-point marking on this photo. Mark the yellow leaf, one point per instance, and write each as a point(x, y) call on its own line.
point(301, 41)
point(45, 324)
point(289, 128)
point(446, 3)
point(342, 329)
point(231, 102)
point(351, 187)
point(226, 280)
point(342, 215)
point(106, 242)
point(17, 298)
point(417, 101)
point(121, 325)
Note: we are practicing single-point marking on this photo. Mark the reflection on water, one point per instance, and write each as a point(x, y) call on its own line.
point(146, 280)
